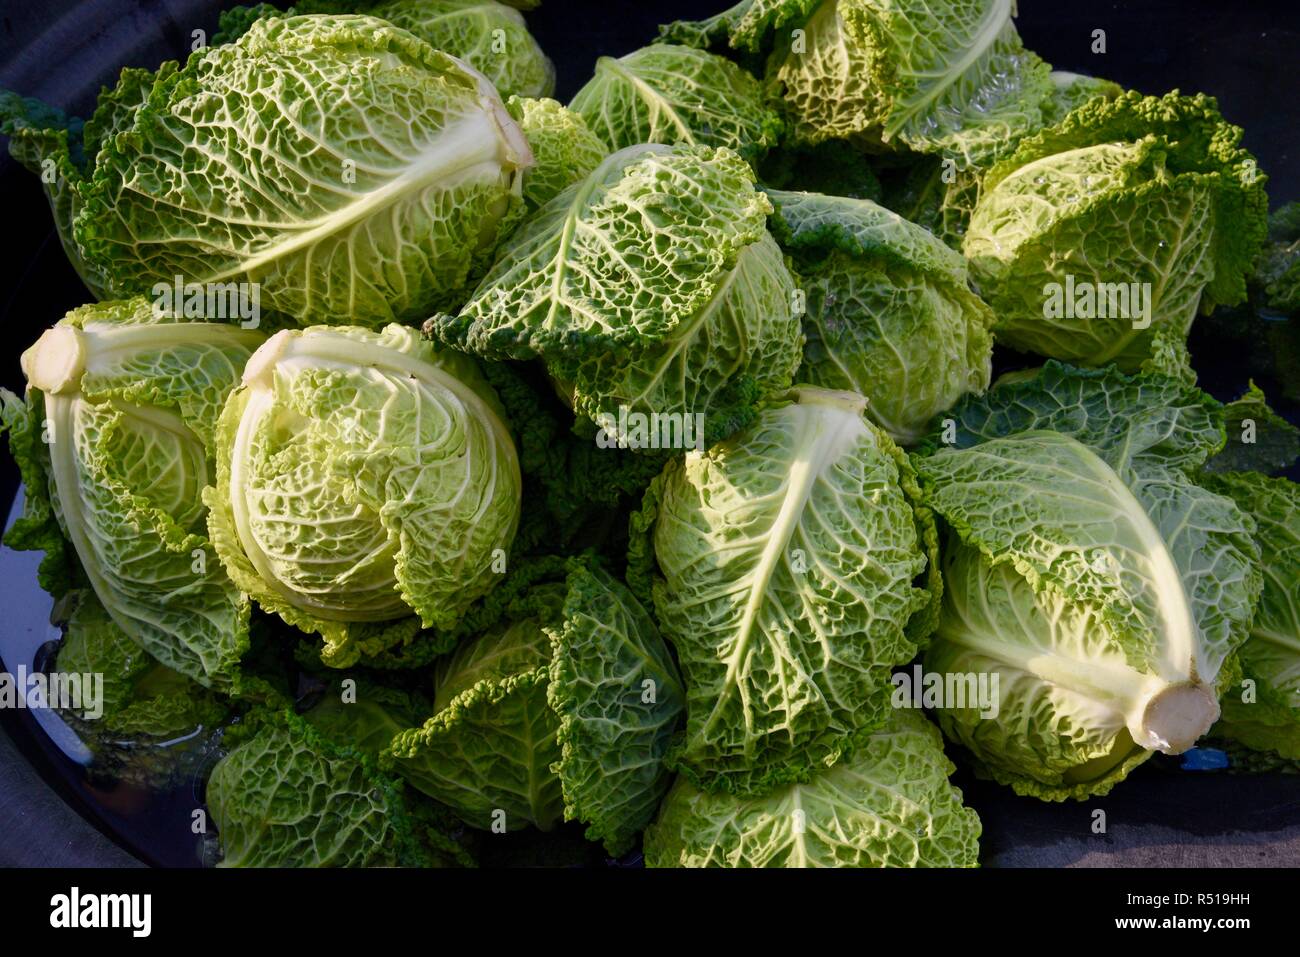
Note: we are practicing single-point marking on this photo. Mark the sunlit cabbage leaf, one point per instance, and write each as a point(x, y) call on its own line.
point(651, 285)
point(675, 94)
point(1087, 571)
point(116, 443)
point(786, 565)
point(372, 183)
point(887, 805)
point(362, 477)
point(889, 313)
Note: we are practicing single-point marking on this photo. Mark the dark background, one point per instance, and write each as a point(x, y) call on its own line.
point(1247, 54)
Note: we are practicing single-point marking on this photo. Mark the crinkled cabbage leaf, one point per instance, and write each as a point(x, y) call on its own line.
point(950, 78)
point(362, 477)
point(289, 795)
point(1100, 239)
point(1088, 572)
point(563, 710)
point(489, 36)
point(1268, 719)
point(340, 164)
point(116, 442)
point(564, 148)
point(650, 285)
point(888, 314)
point(786, 563)
point(887, 805)
point(676, 94)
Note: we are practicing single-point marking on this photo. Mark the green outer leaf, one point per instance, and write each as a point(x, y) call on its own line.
point(745, 26)
point(543, 291)
point(712, 329)
point(473, 30)
point(1129, 189)
point(565, 149)
point(125, 467)
point(235, 22)
point(962, 82)
point(1271, 655)
point(811, 223)
point(396, 450)
point(889, 313)
point(889, 805)
point(836, 86)
point(1051, 739)
point(1071, 91)
point(142, 701)
point(469, 29)
point(287, 797)
point(1140, 439)
point(543, 717)
point(954, 80)
point(1144, 420)
point(490, 749)
point(349, 214)
point(676, 94)
point(786, 560)
point(613, 741)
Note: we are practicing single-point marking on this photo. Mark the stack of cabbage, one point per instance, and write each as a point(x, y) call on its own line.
point(462, 462)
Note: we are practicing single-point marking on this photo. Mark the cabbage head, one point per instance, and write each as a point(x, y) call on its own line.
point(889, 312)
point(562, 710)
point(710, 327)
point(675, 94)
point(345, 167)
point(363, 477)
point(1152, 191)
point(1268, 718)
point(940, 191)
point(950, 78)
point(564, 148)
point(116, 442)
point(887, 805)
point(491, 37)
point(786, 567)
point(307, 791)
point(1088, 572)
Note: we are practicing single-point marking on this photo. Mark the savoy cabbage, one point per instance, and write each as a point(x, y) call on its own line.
point(1151, 192)
point(491, 37)
point(116, 441)
point(889, 314)
point(890, 805)
point(1087, 568)
point(362, 477)
point(408, 570)
point(414, 168)
point(712, 328)
point(788, 568)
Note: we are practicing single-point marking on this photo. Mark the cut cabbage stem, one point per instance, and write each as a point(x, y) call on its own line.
point(56, 361)
point(1176, 717)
